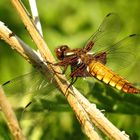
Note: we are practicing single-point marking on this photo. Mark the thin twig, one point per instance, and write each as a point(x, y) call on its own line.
point(101, 121)
point(35, 16)
point(10, 117)
point(23, 49)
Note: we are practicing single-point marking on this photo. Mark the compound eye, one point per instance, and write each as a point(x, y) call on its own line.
point(59, 54)
point(60, 51)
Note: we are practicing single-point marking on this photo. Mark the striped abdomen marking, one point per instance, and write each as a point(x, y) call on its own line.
point(104, 74)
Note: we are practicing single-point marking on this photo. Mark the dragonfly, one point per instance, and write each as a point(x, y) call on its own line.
point(115, 63)
point(103, 58)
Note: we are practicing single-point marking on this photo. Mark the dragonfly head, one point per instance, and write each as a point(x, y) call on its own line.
point(60, 51)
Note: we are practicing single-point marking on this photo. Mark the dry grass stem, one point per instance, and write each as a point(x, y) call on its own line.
point(10, 117)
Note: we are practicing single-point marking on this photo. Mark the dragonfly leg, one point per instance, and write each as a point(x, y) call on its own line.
point(59, 64)
point(25, 109)
point(73, 80)
point(65, 68)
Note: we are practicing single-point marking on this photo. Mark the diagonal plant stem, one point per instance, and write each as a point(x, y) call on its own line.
point(10, 117)
point(35, 15)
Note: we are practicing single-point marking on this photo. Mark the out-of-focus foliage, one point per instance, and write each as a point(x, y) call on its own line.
point(70, 22)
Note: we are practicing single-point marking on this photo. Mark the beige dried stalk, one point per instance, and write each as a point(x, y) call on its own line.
point(10, 117)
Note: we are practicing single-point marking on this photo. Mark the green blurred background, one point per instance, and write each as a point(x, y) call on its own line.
point(71, 22)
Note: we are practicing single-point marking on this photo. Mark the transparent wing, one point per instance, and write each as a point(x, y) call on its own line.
point(105, 35)
point(33, 88)
point(124, 58)
point(26, 83)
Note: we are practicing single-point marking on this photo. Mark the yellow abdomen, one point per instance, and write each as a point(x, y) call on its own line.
point(102, 73)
